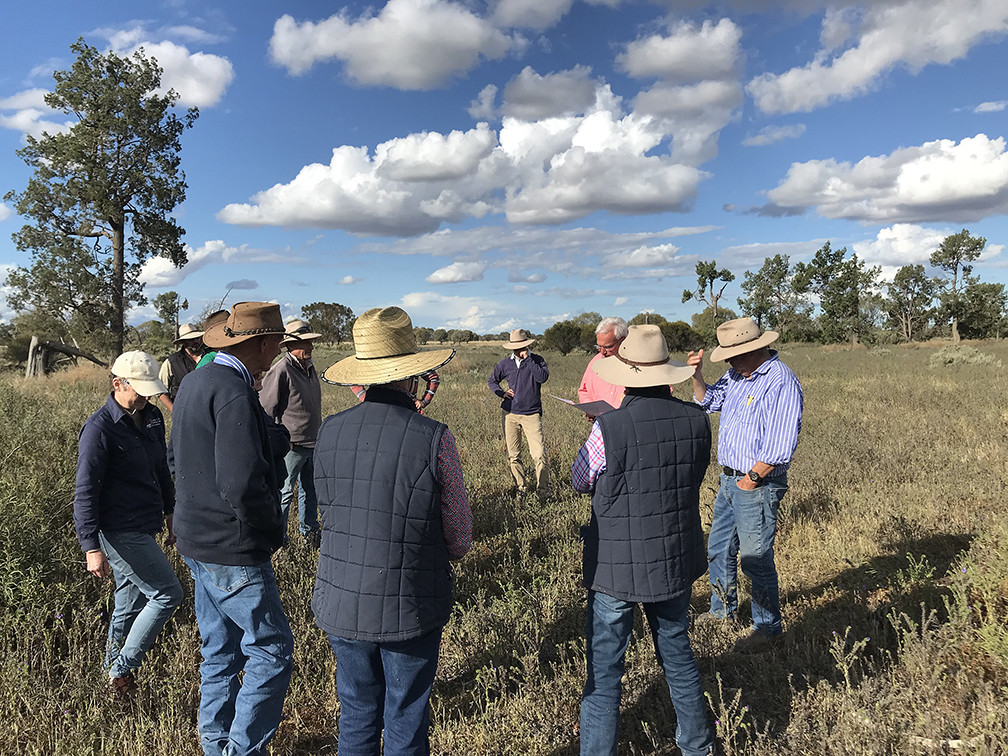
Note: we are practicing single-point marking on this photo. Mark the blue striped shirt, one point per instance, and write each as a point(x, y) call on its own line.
point(223, 358)
point(760, 416)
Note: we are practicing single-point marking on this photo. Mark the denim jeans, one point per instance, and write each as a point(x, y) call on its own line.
point(243, 626)
point(299, 465)
point(608, 627)
point(147, 592)
point(743, 530)
point(385, 684)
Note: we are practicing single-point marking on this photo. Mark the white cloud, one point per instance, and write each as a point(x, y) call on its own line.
point(515, 277)
point(429, 156)
point(439, 311)
point(31, 115)
point(938, 181)
point(194, 34)
point(5, 212)
point(772, 134)
point(200, 79)
point(159, 272)
point(349, 280)
point(911, 34)
point(483, 105)
point(410, 44)
point(901, 244)
point(686, 54)
point(530, 14)
point(620, 301)
point(991, 107)
point(531, 97)
point(643, 257)
point(29, 98)
point(459, 272)
point(6, 313)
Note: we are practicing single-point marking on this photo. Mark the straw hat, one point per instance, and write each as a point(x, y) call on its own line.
point(642, 361)
point(385, 351)
point(246, 321)
point(298, 330)
point(141, 370)
point(519, 338)
point(187, 332)
point(740, 336)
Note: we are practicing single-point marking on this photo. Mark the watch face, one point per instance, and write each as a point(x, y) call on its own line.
point(754, 476)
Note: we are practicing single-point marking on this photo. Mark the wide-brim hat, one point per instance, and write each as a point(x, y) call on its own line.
point(246, 321)
point(740, 336)
point(641, 361)
point(385, 350)
point(141, 370)
point(187, 332)
point(298, 330)
point(519, 338)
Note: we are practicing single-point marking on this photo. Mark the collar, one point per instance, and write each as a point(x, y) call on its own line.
point(306, 367)
point(517, 360)
point(761, 370)
point(387, 394)
point(118, 412)
point(223, 358)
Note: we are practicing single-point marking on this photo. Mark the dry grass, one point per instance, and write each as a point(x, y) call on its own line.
point(892, 551)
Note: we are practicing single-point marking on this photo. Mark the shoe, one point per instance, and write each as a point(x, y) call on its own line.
point(124, 686)
point(313, 539)
point(713, 622)
point(755, 642)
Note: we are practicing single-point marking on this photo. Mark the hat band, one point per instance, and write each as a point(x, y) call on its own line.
point(636, 366)
point(249, 332)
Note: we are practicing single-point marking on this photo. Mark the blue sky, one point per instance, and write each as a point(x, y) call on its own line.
point(512, 163)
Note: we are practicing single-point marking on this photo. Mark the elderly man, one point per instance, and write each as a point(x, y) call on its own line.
point(179, 364)
point(643, 464)
point(292, 395)
point(228, 523)
point(760, 401)
point(609, 334)
point(394, 514)
point(521, 406)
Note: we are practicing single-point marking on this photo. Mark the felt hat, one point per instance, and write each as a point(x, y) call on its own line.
point(187, 332)
point(298, 330)
point(519, 338)
point(214, 318)
point(641, 361)
point(385, 350)
point(246, 321)
point(141, 370)
point(740, 336)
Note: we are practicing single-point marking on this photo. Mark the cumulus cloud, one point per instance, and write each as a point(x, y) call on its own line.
point(991, 107)
point(643, 257)
point(430, 156)
point(530, 14)
point(5, 212)
point(159, 272)
point(772, 134)
point(620, 301)
point(441, 311)
point(901, 244)
point(531, 97)
point(410, 44)
point(349, 280)
point(28, 113)
point(459, 272)
point(937, 181)
point(686, 54)
point(483, 106)
point(243, 284)
point(911, 35)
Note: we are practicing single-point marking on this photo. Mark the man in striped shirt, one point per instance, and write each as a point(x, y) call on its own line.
point(760, 401)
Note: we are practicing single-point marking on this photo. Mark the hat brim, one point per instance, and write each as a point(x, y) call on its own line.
point(148, 388)
point(510, 346)
point(215, 338)
point(294, 339)
point(188, 337)
point(351, 371)
point(720, 353)
point(612, 370)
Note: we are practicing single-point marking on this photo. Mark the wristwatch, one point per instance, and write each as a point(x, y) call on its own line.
point(755, 477)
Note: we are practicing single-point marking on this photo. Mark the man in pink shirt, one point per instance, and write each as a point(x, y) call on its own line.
point(609, 334)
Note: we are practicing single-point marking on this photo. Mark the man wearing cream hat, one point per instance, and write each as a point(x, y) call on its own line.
point(760, 401)
point(643, 464)
point(394, 515)
point(182, 362)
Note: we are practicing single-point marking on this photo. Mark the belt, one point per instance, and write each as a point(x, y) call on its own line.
point(731, 472)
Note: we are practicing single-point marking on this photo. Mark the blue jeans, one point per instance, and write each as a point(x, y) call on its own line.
point(385, 684)
point(147, 592)
point(299, 464)
point(243, 626)
point(743, 529)
point(608, 627)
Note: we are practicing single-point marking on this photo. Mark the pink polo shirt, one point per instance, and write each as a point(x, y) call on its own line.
point(594, 389)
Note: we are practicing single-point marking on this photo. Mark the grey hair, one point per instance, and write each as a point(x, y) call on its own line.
point(617, 325)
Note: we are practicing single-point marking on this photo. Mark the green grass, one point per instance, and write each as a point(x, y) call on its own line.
point(892, 552)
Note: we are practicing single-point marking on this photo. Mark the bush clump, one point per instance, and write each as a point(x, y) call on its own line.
point(957, 354)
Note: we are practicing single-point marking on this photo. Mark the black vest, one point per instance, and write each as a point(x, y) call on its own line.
point(383, 571)
point(181, 365)
point(644, 542)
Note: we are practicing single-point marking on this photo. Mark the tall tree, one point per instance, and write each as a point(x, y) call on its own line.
point(911, 295)
point(955, 256)
point(708, 291)
point(334, 321)
point(111, 181)
point(168, 306)
point(772, 299)
point(982, 310)
point(841, 283)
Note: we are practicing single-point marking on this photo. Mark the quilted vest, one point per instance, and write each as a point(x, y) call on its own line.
point(181, 366)
point(644, 542)
point(383, 571)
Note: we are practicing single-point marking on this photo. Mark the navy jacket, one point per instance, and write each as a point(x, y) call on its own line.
point(524, 381)
point(123, 483)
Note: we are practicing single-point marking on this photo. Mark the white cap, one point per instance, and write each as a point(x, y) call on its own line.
point(141, 370)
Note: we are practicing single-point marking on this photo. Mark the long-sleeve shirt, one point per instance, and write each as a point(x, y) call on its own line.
point(524, 378)
point(589, 462)
point(123, 482)
point(456, 512)
point(760, 416)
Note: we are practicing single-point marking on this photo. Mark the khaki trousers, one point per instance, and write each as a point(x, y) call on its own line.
point(531, 426)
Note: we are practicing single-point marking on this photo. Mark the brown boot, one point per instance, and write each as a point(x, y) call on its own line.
point(124, 686)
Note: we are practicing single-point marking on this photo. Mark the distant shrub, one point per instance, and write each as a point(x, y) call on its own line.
point(957, 354)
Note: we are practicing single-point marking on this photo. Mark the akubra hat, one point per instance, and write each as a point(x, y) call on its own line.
point(246, 321)
point(740, 336)
point(298, 330)
point(519, 338)
point(385, 350)
point(187, 332)
point(641, 361)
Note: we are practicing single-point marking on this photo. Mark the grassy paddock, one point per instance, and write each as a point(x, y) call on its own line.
point(892, 552)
